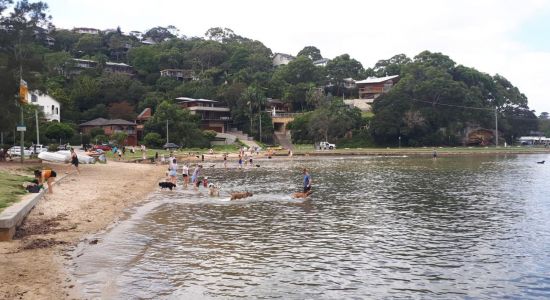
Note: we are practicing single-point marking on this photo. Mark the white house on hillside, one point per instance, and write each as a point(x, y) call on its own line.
point(50, 106)
point(282, 59)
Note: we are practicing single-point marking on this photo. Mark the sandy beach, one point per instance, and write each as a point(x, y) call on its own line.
point(32, 264)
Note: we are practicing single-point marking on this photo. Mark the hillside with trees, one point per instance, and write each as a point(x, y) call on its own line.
point(434, 102)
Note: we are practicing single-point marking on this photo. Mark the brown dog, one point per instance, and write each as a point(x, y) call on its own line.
point(302, 195)
point(240, 195)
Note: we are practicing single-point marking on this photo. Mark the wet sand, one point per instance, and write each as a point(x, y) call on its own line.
point(31, 266)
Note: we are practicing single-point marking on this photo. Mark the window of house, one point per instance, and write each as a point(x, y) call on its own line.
point(52, 109)
point(34, 98)
point(57, 110)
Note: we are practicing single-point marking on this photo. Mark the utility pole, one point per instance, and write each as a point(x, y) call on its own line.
point(38, 127)
point(21, 103)
point(260, 126)
point(496, 127)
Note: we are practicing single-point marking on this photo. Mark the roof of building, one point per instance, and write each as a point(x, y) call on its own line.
point(274, 101)
point(103, 122)
point(109, 63)
point(84, 60)
point(85, 28)
point(284, 55)
point(145, 114)
point(321, 61)
point(187, 99)
point(377, 79)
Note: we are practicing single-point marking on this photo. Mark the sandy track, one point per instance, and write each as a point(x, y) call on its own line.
point(31, 267)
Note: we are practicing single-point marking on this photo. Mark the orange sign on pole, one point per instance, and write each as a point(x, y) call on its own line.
point(23, 92)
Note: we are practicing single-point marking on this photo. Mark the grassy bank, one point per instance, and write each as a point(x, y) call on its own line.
point(11, 188)
point(151, 152)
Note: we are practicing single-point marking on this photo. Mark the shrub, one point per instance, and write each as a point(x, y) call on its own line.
point(153, 140)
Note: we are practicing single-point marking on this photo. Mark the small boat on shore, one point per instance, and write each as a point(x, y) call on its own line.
point(54, 157)
point(82, 158)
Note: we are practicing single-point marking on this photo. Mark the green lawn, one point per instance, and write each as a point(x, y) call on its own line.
point(11, 188)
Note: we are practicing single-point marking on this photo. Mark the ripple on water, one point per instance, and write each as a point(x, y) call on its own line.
point(375, 227)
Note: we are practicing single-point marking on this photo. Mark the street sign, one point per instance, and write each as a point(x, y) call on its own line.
point(21, 128)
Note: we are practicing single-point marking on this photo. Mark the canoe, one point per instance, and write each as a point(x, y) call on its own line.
point(53, 157)
point(82, 158)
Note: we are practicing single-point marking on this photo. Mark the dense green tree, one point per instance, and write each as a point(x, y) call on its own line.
point(119, 138)
point(65, 40)
point(89, 44)
point(59, 131)
point(311, 52)
point(20, 50)
point(340, 68)
point(159, 33)
point(392, 66)
point(330, 121)
point(183, 126)
point(153, 140)
point(122, 110)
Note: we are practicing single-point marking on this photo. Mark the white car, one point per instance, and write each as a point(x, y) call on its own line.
point(39, 148)
point(326, 145)
point(16, 151)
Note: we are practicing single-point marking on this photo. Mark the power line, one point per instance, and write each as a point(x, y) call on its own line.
point(473, 107)
point(452, 105)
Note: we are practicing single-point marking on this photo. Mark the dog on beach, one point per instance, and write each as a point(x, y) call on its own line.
point(302, 195)
point(240, 195)
point(213, 190)
point(167, 185)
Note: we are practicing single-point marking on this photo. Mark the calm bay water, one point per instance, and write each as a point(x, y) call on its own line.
point(460, 227)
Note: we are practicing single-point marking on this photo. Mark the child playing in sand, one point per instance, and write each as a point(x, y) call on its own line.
point(47, 176)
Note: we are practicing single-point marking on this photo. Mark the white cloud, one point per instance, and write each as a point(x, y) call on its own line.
point(478, 34)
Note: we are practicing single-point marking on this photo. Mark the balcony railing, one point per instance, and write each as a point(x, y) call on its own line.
point(125, 131)
point(284, 115)
point(208, 118)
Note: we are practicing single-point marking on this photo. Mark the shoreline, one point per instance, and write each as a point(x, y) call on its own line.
point(33, 264)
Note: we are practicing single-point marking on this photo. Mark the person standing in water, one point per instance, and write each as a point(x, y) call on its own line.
point(225, 161)
point(185, 175)
point(434, 154)
point(173, 171)
point(195, 177)
point(307, 181)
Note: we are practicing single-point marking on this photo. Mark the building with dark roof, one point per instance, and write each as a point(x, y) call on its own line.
point(373, 87)
point(213, 117)
point(111, 127)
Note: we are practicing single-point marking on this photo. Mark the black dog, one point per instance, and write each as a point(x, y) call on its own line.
point(540, 162)
point(167, 185)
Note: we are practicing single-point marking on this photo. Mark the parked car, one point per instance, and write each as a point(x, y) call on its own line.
point(103, 147)
point(16, 151)
point(170, 146)
point(64, 147)
point(39, 148)
point(326, 145)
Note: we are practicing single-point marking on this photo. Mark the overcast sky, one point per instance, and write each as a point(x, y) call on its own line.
point(511, 38)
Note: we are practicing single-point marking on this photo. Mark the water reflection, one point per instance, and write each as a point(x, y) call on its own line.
point(374, 228)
